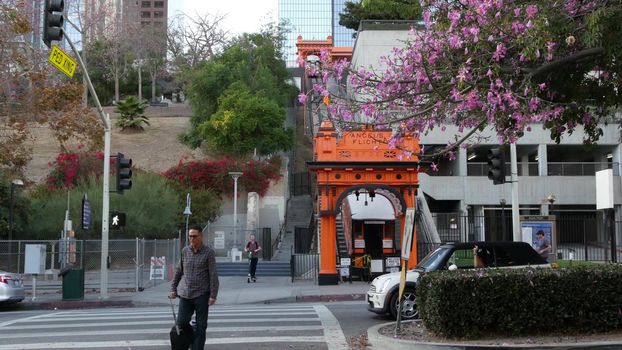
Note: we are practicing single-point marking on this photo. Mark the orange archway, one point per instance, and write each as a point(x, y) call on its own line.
point(360, 161)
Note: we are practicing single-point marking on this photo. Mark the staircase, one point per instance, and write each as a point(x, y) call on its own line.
point(299, 212)
point(342, 249)
point(264, 268)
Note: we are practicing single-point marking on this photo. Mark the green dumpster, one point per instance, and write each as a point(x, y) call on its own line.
point(73, 284)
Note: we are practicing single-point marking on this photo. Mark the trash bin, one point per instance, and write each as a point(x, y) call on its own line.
point(73, 283)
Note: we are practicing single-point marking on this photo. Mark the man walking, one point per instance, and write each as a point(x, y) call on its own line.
point(196, 283)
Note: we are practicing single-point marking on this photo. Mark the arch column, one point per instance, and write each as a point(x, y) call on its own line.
point(328, 238)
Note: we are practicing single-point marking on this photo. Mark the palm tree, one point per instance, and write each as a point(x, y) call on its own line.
point(131, 112)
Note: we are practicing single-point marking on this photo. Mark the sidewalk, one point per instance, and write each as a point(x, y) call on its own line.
point(233, 291)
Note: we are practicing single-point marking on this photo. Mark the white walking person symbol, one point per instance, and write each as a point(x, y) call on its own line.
point(115, 220)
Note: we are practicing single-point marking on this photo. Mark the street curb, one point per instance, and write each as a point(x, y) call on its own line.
point(329, 298)
point(379, 341)
point(91, 304)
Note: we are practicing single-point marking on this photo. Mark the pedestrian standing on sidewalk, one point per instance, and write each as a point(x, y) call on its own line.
point(196, 284)
point(252, 249)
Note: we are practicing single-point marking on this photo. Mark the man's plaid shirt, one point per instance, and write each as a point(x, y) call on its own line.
point(196, 274)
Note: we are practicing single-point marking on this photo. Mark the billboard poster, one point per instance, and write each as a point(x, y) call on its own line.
point(539, 232)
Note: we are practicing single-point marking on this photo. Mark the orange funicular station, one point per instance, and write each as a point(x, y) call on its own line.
point(360, 164)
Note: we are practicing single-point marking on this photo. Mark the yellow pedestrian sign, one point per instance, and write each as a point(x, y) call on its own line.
point(62, 61)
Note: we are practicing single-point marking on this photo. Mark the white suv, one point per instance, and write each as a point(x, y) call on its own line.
point(383, 291)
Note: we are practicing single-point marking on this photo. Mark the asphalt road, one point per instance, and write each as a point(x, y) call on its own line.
point(308, 326)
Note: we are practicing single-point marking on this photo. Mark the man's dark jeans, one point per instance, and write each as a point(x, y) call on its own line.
point(187, 307)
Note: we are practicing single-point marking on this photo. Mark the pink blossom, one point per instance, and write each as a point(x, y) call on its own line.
point(499, 52)
point(532, 10)
point(302, 98)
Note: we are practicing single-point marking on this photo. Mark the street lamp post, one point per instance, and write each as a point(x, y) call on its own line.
point(187, 214)
point(235, 175)
point(14, 184)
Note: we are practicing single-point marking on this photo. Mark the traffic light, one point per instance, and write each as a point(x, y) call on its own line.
point(496, 166)
point(53, 21)
point(124, 173)
point(117, 219)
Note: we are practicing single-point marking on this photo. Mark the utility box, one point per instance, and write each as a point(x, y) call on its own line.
point(34, 261)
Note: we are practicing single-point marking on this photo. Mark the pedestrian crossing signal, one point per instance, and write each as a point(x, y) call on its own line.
point(117, 219)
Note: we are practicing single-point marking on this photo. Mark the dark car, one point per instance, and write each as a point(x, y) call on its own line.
point(383, 291)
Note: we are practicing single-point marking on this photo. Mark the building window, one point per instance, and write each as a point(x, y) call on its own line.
point(145, 23)
point(158, 4)
point(145, 4)
point(158, 14)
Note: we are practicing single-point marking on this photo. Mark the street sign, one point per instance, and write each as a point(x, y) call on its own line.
point(62, 61)
point(408, 233)
point(86, 213)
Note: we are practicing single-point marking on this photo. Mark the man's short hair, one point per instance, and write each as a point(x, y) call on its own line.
point(540, 233)
point(196, 227)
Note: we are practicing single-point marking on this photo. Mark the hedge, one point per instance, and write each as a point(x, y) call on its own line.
point(527, 301)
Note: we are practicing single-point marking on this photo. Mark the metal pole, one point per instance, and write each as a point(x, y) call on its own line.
point(235, 175)
point(515, 213)
point(137, 264)
point(11, 205)
point(235, 211)
point(103, 282)
point(106, 177)
point(187, 217)
point(503, 231)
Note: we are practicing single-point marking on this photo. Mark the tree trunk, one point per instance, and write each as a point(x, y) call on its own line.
point(153, 86)
point(140, 83)
point(116, 84)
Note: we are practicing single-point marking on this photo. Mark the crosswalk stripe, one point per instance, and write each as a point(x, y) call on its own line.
point(168, 311)
point(163, 331)
point(332, 330)
point(152, 343)
point(146, 323)
point(167, 316)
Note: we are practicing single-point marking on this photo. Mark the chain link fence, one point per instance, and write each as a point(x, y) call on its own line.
point(134, 264)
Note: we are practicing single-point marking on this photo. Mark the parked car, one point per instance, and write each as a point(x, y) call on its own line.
point(383, 291)
point(11, 288)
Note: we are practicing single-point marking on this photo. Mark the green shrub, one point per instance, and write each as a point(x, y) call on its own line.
point(470, 304)
point(152, 206)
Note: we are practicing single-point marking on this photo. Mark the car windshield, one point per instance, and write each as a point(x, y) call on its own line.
point(432, 260)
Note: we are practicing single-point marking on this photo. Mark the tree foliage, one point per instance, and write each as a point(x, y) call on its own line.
point(32, 92)
point(246, 122)
point(356, 11)
point(508, 65)
point(253, 62)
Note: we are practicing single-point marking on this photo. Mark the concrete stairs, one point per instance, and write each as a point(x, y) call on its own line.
point(264, 268)
point(299, 212)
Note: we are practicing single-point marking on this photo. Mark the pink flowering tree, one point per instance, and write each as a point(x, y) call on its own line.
point(504, 64)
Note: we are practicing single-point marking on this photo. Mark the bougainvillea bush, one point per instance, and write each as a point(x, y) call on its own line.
point(214, 175)
point(71, 168)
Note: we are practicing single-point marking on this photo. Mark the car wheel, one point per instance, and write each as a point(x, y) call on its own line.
point(409, 305)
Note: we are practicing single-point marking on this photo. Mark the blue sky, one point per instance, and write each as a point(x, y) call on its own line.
point(241, 15)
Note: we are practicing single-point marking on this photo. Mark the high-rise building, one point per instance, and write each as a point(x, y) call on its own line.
point(313, 20)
